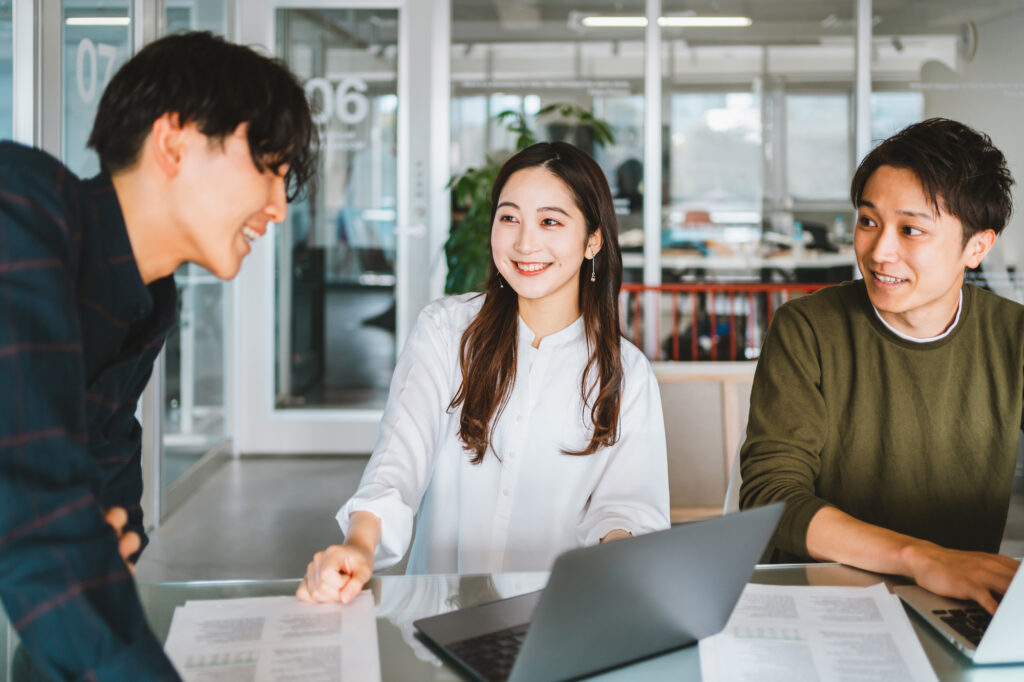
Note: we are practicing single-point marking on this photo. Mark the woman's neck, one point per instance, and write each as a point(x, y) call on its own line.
point(546, 317)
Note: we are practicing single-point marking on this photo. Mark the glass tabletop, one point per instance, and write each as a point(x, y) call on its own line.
point(401, 600)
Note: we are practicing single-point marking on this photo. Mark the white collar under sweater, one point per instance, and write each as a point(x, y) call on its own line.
point(956, 320)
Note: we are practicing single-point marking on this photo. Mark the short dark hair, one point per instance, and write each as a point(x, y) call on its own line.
point(217, 85)
point(960, 170)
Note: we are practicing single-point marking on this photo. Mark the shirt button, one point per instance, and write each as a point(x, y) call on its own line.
point(512, 454)
point(519, 418)
point(505, 492)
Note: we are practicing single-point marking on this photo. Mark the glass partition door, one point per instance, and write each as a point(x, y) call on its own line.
point(97, 41)
point(6, 71)
point(196, 358)
point(335, 265)
point(97, 37)
point(325, 301)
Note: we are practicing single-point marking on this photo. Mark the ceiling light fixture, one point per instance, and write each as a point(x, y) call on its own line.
point(665, 22)
point(704, 22)
point(614, 22)
point(98, 21)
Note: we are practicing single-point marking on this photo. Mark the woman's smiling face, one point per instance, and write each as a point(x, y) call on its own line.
point(539, 237)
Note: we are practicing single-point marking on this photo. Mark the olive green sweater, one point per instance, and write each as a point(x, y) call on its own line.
point(920, 438)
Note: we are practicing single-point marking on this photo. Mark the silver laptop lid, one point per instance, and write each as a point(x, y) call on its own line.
point(1004, 637)
point(629, 599)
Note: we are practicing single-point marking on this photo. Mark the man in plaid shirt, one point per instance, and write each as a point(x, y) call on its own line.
point(202, 143)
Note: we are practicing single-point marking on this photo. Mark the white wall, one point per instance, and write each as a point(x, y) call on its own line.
point(987, 93)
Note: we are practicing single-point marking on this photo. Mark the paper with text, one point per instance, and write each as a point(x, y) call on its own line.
point(274, 639)
point(815, 634)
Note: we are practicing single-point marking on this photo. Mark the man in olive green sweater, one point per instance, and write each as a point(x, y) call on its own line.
point(886, 412)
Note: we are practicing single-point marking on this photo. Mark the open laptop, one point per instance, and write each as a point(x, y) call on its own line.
point(611, 604)
point(983, 638)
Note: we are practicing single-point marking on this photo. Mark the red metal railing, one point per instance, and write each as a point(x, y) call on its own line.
point(704, 316)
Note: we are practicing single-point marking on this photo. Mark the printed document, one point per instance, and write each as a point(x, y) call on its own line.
point(274, 639)
point(816, 634)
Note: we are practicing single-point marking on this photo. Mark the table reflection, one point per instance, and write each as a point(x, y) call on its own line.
point(401, 600)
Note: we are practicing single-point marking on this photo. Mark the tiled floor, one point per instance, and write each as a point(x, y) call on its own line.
point(254, 518)
point(265, 517)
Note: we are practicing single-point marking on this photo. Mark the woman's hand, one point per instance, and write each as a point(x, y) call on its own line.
point(616, 534)
point(336, 574)
point(339, 572)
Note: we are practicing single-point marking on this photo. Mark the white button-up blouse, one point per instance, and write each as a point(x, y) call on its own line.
point(527, 502)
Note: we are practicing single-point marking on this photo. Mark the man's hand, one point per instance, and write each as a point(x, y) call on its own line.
point(961, 575)
point(128, 543)
point(836, 536)
point(336, 574)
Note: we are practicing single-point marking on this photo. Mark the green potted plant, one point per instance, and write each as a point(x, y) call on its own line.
point(468, 249)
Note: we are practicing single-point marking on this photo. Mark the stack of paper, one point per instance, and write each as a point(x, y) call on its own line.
point(793, 634)
point(274, 639)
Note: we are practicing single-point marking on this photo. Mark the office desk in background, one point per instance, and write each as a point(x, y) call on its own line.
point(403, 599)
point(677, 261)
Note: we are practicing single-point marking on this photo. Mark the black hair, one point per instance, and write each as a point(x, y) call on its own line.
point(487, 351)
point(961, 171)
point(217, 85)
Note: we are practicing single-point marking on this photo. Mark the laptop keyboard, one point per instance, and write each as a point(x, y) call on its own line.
point(491, 656)
point(970, 622)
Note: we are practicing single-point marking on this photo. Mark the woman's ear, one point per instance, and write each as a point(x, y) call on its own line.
point(594, 243)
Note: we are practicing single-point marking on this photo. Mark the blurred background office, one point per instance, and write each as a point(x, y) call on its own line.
point(734, 129)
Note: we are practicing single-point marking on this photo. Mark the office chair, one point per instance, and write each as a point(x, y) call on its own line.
point(732, 492)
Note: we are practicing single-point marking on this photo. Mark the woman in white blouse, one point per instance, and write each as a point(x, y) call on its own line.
point(519, 423)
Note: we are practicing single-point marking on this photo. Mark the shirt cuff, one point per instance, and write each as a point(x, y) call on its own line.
point(604, 523)
point(396, 520)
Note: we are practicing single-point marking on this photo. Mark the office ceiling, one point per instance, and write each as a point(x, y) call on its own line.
point(775, 21)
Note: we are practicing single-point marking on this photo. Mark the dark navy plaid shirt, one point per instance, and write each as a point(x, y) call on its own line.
point(79, 332)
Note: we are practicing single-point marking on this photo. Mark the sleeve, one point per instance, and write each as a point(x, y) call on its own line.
point(121, 464)
point(781, 457)
point(120, 458)
point(62, 582)
point(632, 492)
point(402, 462)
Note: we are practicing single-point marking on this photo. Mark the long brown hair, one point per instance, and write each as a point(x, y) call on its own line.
point(487, 351)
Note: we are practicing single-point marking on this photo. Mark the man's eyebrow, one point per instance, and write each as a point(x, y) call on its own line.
point(907, 212)
point(916, 214)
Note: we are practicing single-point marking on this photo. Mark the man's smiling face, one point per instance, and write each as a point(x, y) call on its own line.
point(224, 201)
point(912, 256)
